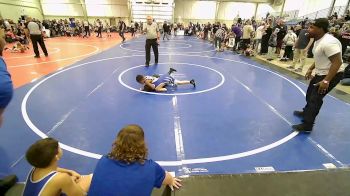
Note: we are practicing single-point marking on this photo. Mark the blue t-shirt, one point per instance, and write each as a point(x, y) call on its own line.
point(112, 177)
point(6, 87)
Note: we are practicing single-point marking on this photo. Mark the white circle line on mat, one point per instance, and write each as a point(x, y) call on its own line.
point(163, 163)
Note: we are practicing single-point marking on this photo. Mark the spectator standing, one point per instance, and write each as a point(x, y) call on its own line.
point(289, 41)
point(166, 29)
point(122, 29)
point(302, 46)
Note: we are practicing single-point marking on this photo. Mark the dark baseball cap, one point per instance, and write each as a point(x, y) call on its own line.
point(321, 23)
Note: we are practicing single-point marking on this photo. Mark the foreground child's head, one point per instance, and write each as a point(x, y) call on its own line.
point(43, 153)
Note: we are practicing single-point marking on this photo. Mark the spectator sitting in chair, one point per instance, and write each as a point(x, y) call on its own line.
point(249, 51)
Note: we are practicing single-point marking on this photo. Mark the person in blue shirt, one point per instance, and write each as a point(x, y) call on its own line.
point(46, 178)
point(6, 87)
point(126, 171)
point(6, 92)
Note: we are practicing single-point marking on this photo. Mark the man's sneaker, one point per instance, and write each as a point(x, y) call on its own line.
point(302, 128)
point(171, 70)
point(299, 114)
point(147, 65)
point(193, 83)
point(36, 56)
point(299, 69)
point(290, 67)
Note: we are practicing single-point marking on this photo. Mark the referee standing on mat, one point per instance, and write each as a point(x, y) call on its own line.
point(152, 39)
point(36, 37)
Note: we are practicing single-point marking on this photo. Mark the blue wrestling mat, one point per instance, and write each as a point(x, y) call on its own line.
point(237, 120)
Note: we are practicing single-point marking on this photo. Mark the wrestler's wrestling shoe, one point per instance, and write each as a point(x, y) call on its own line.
point(171, 70)
point(193, 83)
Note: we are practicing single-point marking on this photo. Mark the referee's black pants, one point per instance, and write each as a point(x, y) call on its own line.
point(154, 44)
point(87, 31)
point(38, 39)
point(314, 100)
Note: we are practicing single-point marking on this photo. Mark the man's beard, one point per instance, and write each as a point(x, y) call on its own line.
point(309, 35)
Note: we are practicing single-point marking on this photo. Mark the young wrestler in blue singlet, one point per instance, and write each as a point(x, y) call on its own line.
point(160, 83)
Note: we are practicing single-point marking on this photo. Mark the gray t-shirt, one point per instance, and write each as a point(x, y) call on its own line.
point(303, 39)
point(34, 28)
point(151, 30)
